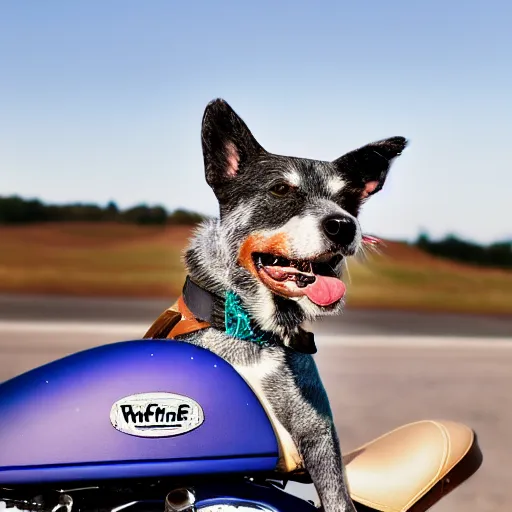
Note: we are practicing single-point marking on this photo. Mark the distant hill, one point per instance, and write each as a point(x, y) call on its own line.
point(128, 260)
point(17, 210)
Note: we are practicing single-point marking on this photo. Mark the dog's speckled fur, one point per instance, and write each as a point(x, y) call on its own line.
point(242, 174)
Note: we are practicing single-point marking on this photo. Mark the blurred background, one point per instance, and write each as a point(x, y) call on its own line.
point(101, 185)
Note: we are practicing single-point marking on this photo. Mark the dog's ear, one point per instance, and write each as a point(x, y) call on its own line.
point(227, 143)
point(366, 168)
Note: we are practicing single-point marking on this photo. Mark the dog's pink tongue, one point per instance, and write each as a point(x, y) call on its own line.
point(325, 290)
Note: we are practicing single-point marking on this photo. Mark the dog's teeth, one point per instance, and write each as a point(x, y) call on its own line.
point(305, 279)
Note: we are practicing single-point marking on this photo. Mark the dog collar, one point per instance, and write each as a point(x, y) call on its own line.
point(196, 310)
point(237, 322)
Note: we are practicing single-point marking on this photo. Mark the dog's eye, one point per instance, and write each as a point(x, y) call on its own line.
point(280, 190)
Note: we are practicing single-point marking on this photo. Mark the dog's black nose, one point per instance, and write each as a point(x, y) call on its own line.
point(340, 229)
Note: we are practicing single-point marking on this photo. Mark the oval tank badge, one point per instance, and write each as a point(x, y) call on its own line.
point(156, 415)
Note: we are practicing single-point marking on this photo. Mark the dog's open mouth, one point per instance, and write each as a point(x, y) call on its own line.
point(315, 279)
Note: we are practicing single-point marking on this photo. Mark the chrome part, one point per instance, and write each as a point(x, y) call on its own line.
point(88, 488)
point(14, 504)
point(65, 502)
point(306, 492)
point(122, 507)
point(180, 500)
point(135, 497)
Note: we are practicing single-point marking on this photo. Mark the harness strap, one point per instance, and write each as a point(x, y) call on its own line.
point(175, 321)
point(193, 311)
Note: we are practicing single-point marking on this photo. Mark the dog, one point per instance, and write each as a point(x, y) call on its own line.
point(270, 263)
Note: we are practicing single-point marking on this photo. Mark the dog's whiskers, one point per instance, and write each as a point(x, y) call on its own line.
point(365, 250)
point(361, 253)
point(345, 262)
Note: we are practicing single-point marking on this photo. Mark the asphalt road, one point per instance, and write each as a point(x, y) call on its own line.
point(37, 308)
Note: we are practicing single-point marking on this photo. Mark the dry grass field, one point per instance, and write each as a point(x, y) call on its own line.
point(133, 261)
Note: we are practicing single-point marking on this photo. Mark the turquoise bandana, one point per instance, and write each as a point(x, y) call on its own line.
point(239, 325)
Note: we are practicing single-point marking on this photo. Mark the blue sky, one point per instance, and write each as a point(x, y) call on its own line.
point(103, 100)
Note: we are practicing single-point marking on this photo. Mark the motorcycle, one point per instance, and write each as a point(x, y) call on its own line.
point(159, 425)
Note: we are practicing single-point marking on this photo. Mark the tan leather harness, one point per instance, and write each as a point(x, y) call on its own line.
point(175, 321)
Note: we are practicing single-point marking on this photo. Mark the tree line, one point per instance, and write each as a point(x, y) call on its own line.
point(497, 255)
point(17, 210)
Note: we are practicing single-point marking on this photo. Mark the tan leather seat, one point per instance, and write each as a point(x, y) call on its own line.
point(412, 467)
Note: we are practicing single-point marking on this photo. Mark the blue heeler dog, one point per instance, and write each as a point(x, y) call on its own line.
point(272, 261)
